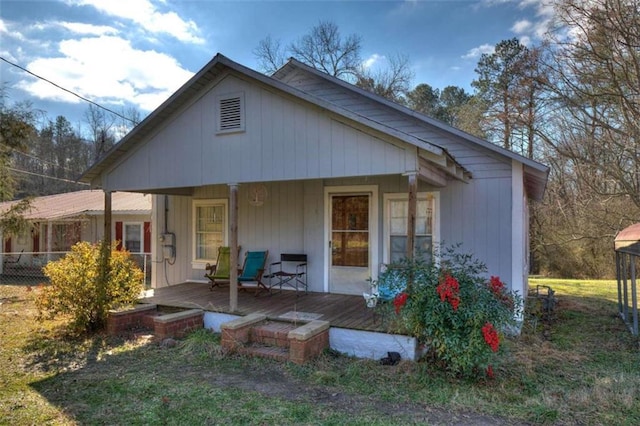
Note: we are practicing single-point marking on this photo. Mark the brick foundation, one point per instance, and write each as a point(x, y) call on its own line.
point(178, 324)
point(119, 322)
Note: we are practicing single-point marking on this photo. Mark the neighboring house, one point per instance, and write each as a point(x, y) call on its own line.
point(61, 220)
point(318, 166)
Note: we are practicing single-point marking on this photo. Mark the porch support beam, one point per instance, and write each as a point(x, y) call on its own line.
point(107, 218)
point(411, 213)
point(431, 174)
point(233, 244)
point(49, 240)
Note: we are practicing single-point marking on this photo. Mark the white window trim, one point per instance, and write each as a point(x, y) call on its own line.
point(387, 197)
point(201, 263)
point(124, 236)
point(243, 120)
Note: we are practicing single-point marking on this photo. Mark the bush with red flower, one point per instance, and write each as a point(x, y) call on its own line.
point(453, 309)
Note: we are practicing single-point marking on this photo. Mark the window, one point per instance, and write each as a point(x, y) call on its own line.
point(230, 113)
point(63, 235)
point(132, 237)
point(396, 210)
point(210, 229)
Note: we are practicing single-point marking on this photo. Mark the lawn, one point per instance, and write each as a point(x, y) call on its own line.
point(581, 367)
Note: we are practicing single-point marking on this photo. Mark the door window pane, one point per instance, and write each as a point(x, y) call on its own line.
point(350, 230)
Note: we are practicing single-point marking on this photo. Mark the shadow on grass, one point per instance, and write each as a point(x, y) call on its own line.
point(583, 371)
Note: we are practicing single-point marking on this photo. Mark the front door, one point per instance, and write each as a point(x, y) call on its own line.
point(350, 243)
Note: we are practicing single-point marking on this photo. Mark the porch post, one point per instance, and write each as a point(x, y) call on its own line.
point(233, 245)
point(49, 240)
point(411, 213)
point(107, 218)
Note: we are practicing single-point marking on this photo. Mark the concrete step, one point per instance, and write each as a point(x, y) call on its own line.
point(272, 333)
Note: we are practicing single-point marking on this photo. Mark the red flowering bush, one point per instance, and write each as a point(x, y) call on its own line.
point(453, 310)
point(399, 301)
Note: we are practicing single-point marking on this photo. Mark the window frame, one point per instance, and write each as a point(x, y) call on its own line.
point(200, 263)
point(435, 225)
point(124, 236)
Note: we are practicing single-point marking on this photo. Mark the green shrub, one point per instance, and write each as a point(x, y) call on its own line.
point(452, 309)
point(86, 287)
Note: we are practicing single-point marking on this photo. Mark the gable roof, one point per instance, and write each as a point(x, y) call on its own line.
point(535, 173)
point(87, 202)
point(209, 73)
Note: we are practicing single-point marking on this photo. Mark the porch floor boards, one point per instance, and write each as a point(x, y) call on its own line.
point(344, 311)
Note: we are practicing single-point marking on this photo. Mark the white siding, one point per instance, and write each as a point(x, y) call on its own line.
point(284, 140)
point(479, 161)
point(291, 220)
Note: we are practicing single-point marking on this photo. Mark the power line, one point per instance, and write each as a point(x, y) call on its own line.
point(45, 176)
point(37, 158)
point(67, 90)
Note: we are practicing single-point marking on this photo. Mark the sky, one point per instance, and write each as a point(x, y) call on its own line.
point(136, 53)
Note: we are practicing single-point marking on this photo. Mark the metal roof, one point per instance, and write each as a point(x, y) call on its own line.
point(72, 204)
point(628, 240)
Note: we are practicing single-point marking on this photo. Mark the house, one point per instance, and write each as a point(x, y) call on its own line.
point(61, 220)
point(301, 162)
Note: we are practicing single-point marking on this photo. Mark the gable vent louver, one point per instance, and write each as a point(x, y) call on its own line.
point(230, 114)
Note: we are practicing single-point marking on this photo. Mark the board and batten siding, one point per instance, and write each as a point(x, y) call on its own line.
point(479, 161)
point(476, 215)
point(284, 139)
point(479, 214)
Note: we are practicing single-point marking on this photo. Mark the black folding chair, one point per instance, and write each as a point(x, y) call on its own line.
point(290, 271)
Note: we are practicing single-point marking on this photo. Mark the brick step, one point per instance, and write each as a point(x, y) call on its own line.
point(271, 352)
point(272, 333)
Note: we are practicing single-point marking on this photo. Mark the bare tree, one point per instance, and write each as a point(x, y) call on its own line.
point(271, 54)
point(595, 70)
point(101, 126)
point(390, 82)
point(325, 49)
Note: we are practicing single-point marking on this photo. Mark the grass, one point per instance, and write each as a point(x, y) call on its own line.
point(581, 368)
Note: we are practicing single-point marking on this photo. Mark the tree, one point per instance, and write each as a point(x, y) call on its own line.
point(101, 126)
point(508, 86)
point(445, 104)
point(16, 130)
point(325, 49)
point(595, 76)
point(390, 82)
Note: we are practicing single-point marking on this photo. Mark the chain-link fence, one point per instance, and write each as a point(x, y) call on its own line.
point(26, 268)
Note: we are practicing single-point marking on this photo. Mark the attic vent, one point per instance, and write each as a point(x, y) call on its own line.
point(231, 113)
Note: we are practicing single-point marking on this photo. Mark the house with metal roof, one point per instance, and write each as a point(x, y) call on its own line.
point(61, 220)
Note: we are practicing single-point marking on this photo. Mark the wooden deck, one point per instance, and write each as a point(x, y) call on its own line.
point(340, 310)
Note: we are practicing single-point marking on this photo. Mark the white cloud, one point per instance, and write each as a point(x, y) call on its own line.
point(145, 14)
point(88, 29)
point(107, 69)
point(521, 26)
point(476, 52)
point(372, 60)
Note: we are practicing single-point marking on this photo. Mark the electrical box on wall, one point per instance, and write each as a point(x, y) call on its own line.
point(168, 242)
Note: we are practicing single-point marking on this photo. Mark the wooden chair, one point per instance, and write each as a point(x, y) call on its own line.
point(252, 270)
point(221, 271)
point(11, 260)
